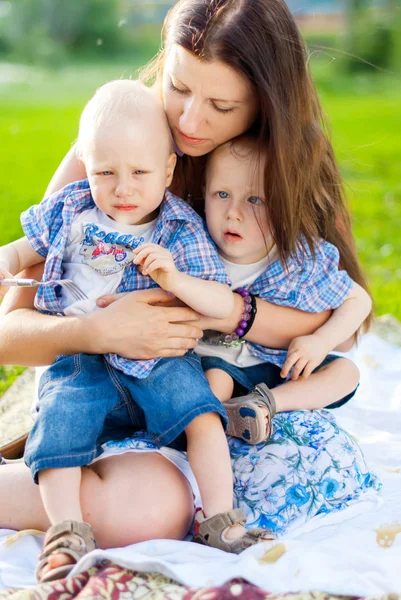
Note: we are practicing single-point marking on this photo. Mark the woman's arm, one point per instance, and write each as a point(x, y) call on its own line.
point(70, 169)
point(274, 326)
point(140, 325)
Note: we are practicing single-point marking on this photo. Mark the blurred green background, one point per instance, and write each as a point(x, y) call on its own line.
point(54, 54)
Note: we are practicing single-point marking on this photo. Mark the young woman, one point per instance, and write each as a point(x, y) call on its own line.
point(227, 66)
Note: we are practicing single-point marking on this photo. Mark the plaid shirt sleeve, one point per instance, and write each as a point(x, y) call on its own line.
point(322, 285)
point(196, 255)
point(42, 221)
point(309, 284)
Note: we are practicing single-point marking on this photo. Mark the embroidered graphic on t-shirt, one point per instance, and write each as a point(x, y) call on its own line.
point(107, 252)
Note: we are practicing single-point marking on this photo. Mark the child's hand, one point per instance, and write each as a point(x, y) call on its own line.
point(4, 274)
point(157, 262)
point(304, 354)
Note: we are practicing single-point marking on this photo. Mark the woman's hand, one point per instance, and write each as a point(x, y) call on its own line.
point(140, 325)
point(143, 325)
point(274, 326)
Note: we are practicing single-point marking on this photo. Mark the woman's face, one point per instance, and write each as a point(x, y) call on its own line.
point(207, 103)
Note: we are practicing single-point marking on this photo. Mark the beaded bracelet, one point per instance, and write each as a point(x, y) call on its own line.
point(247, 317)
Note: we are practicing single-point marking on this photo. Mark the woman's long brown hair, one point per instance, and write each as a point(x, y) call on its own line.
point(303, 188)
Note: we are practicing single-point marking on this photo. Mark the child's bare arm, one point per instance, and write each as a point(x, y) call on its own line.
point(347, 318)
point(16, 257)
point(307, 352)
point(209, 298)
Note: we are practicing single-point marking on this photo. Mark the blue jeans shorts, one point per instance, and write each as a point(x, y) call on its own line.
point(246, 378)
point(84, 401)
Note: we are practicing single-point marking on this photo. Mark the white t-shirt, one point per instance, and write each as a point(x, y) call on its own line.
point(240, 276)
point(95, 256)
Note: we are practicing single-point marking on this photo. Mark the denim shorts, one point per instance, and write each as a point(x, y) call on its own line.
point(84, 402)
point(245, 378)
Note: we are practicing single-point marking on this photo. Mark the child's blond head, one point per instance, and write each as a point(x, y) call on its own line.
point(121, 103)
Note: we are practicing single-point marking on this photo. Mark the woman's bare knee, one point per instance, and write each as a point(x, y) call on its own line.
point(20, 502)
point(136, 497)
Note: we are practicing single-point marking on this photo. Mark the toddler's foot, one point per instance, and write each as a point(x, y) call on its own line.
point(65, 543)
point(250, 417)
point(56, 560)
point(226, 531)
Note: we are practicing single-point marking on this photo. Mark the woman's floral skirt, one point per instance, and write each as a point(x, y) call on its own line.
point(310, 466)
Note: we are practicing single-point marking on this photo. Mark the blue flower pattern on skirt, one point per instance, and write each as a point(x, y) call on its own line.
point(310, 466)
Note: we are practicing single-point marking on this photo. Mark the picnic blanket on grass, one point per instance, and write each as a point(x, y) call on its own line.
point(354, 552)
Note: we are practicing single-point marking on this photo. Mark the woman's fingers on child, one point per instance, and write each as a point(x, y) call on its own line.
point(153, 296)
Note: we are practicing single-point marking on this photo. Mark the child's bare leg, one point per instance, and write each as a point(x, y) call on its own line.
point(60, 493)
point(221, 384)
point(323, 387)
point(120, 512)
point(209, 457)
point(59, 489)
point(331, 383)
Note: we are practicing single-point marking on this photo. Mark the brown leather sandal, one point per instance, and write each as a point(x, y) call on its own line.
point(210, 532)
point(57, 542)
point(246, 420)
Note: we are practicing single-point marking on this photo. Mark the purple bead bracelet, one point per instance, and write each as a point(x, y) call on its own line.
point(245, 317)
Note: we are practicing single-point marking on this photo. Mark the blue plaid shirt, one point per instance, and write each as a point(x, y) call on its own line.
point(308, 284)
point(178, 228)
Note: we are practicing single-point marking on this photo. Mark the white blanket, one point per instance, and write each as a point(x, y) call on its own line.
point(356, 551)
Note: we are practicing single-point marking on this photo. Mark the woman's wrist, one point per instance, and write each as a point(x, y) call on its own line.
point(91, 333)
point(227, 325)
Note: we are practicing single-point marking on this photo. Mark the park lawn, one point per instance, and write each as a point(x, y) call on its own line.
point(39, 118)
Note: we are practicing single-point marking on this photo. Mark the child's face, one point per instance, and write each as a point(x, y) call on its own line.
point(128, 168)
point(235, 207)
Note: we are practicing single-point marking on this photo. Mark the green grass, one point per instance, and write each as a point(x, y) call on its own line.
point(7, 376)
point(39, 118)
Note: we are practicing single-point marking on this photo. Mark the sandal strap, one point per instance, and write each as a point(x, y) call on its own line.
point(261, 395)
point(43, 559)
point(79, 528)
point(219, 522)
point(252, 537)
point(267, 398)
point(76, 547)
point(210, 531)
